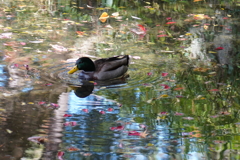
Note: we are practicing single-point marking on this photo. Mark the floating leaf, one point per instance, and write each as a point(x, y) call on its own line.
point(102, 112)
point(72, 123)
point(85, 110)
point(165, 86)
point(118, 128)
point(188, 34)
point(212, 52)
point(55, 105)
point(163, 113)
point(9, 131)
point(164, 74)
point(164, 96)
point(149, 73)
point(219, 48)
point(110, 109)
point(41, 102)
point(115, 14)
point(168, 18)
point(200, 69)
point(142, 126)
point(170, 22)
point(73, 149)
point(80, 33)
point(179, 114)
point(142, 27)
point(104, 16)
point(143, 134)
point(38, 139)
point(162, 35)
point(67, 115)
point(188, 118)
point(133, 133)
point(134, 17)
point(60, 155)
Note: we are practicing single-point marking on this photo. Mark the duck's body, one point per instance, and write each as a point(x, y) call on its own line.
point(101, 69)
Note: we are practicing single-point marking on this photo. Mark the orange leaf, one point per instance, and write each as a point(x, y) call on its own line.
point(103, 18)
point(80, 33)
point(177, 89)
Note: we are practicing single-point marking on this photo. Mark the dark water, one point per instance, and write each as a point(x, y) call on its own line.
point(180, 99)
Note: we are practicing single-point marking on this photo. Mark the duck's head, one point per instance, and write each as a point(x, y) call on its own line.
point(83, 63)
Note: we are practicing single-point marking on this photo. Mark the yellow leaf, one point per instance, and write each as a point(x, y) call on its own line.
point(9, 131)
point(188, 34)
point(104, 16)
point(164, 96)
point(200, 69)
point(150, 144)
point(100, 8)
point(212, 52)
point(30, 103)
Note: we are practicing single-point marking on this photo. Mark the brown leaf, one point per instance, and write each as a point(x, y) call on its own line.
point(144, 134)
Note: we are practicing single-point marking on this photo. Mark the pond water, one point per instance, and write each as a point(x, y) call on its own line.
point(179, 99)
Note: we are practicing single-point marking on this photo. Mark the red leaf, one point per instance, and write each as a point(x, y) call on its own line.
point(70, 123)
point(41, 103)
point(149, 73)
point(214, 90)
point(73, 123)
point(170, 22)
point(142, 27)
point(85, 110)
point(219, 48)
point(60, 155)
point(163, 113)
point(164, 74)
point(133, 133)
point(55, 105)
point(118, 128)
point(72, 149)
point(165, 86)
point(168, 18)
point(177, 89)
point(102, 112)
point(16, 65)
point(110, 109)
point(67, 115)
point(162, 35)
point(179, 114)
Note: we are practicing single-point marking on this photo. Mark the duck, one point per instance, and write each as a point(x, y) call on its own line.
point(101, 69)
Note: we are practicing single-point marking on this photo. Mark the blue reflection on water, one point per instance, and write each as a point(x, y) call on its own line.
point(91, 134)
point(3, 76)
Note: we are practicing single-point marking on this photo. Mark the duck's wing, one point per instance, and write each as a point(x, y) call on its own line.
point(110, 64)
point(112, 74)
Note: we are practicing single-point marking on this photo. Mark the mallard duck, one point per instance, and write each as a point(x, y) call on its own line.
point(101, 69)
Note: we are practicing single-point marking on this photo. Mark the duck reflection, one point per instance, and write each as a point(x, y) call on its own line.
point(87, 87)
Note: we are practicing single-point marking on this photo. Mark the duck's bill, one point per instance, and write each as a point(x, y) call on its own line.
point(74, 69)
